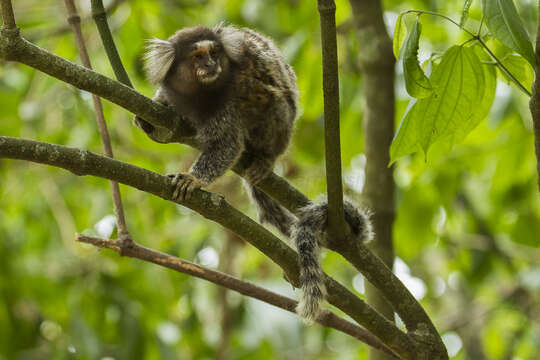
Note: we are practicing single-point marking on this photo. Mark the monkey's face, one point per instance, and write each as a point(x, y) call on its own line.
point(205, 61)
point(203, 65)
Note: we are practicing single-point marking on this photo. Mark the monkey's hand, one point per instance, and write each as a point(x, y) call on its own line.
point(158, 134)
point(183, 185)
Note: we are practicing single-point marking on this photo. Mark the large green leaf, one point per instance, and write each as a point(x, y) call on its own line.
point(465, 12)
point(405, 141)
point(400, 32)
point(462, 95)
point(503, 21)
point(485, 95)
point(520, 69)
point(416, 82)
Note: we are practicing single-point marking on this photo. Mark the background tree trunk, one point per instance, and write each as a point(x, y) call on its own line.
point(377, 63)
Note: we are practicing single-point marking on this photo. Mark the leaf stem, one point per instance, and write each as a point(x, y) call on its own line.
point(420, 12)
point(480, 27)
point(503, 68)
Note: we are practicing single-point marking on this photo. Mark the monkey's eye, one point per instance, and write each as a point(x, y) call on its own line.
point(197, 57)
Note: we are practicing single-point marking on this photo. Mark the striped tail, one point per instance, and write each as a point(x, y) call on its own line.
point(308, 237)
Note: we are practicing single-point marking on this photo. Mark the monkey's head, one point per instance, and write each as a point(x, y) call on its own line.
point(193, 58)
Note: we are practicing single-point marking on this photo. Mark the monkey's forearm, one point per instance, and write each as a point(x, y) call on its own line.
point(215, 160)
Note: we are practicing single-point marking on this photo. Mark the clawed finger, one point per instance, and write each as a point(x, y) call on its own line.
point(183, 186)
point(177, 181)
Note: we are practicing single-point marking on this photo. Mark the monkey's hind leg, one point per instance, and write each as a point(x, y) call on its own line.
point(258, 169)
point(269, 210)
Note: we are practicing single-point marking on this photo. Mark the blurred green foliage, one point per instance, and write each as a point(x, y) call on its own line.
point(468, 220)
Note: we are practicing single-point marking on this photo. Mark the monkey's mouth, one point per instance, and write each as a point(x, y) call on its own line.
point(208, 76)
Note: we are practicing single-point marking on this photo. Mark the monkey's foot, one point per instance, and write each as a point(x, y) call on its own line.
point(126, 243)
point(183, 185)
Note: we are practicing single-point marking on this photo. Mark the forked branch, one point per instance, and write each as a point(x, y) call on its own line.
point(327, 318)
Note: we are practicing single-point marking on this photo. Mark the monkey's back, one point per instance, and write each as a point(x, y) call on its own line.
point(267, 95)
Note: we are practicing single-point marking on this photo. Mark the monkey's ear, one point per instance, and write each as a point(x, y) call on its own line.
point(232, 39)
point(158, 58)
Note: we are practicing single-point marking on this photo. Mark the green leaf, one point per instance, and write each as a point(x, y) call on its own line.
point(519, 68)
point(465, 12)
point(462, 95)
point(405, 140)
point(400, 31)
point(503, 21)
point(485, 93)
point(416, 81)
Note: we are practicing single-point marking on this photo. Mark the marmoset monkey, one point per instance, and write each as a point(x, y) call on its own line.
point(233, 86)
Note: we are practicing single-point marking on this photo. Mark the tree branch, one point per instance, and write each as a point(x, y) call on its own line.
point(100, 18)
point(62, 29)
point(215, 208)
point(7, 15)
point(327, 318)
point(75, 21)
point(336, 220)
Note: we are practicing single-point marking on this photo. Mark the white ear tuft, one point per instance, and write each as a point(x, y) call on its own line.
point(233, 40)
point(158, 58)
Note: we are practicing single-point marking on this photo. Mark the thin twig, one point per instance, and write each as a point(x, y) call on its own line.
point(227, 257)
point(62, 29)
point(336, 220)
point(327, 318)
point(100, 17)
point(420, 12)
point(503, 68)
point(75, 21)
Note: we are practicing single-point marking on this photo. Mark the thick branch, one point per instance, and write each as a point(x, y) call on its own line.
point(213, 207)
point(75, 21)
point(336, 220)
point(534, 103)
point(327, 318)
